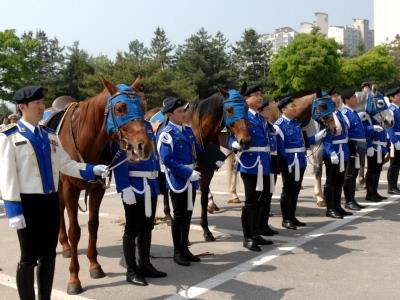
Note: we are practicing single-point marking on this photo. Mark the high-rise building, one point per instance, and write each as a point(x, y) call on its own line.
point(386, 20)
point(280, 38)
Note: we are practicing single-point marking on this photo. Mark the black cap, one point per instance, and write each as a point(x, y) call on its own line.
point(251, 89)
point(263, 104)
point(366, 83)
point(172, 103)
point(392, 92)
point(347, 94)
point(284, 101)
point(28, 94)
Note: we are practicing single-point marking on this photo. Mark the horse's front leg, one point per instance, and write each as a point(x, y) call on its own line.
point(95, 197)
point(62, 235)
point(71, 197)
point(317, 170)
point(205, 189)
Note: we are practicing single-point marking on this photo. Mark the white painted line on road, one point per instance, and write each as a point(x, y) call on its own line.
point(2, 214)
point(224, 232)
point(9, 281)
point(208, 284)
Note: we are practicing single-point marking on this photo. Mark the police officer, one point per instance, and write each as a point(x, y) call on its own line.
point(139, 189)
point(292, 159)
point(31, 158)
point(254, 165)
point(336, 156)
point(266, 113)
point(178, 149)
point(357, 134)
point(394, 136)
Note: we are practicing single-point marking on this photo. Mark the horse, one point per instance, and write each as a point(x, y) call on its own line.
point(208, 117)
point(86, 132)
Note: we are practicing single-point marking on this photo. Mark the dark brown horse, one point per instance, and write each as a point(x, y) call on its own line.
point(206, 118)
point(83, 135)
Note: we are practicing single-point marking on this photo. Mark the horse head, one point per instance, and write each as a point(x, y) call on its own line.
point(124, 121)
point(322, 110)
point(377, 108)
point(235, 115)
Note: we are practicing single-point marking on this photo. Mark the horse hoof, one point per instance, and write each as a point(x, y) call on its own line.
point(66, 253)
point(234, 201)
point(208, 237)
point(74, 288)
point(212, 207)
point(321, 203)
point(97, 273)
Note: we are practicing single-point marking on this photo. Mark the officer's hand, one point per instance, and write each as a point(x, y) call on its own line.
point(17, 222)
point(195, 176)
point(320, 135)
point(397, 145)
point(219, 163)
point(377, 128)
point(100, 170)
point(370, 151)
point(334, 158)
point(128, 196)
point(236, 146)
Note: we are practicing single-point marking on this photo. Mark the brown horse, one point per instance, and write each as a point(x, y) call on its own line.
point(83, 135)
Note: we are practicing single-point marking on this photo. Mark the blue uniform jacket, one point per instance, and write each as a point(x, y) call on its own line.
point(328, 141)
point(394, 132)
point(121, 173)
point(357, 131)
point(376, 139)
point(178, 149)
point(258, 132)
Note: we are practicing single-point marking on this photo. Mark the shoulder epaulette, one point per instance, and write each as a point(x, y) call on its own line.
point(9, 129)
point(344, 110)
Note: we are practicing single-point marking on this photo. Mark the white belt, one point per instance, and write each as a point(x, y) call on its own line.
point(144, 174)
point(274, 152)
point(396, 133)
point(257, 149)
point(357, 140)
point(342, 141)
point(295, 150)
point(379, 143)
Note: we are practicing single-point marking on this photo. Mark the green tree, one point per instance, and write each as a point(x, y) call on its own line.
point(136, 51)
point(204, 62)
point(252, 57)
point(16, 61)
point(310, 61)
point(161, 48)
point(394, 51)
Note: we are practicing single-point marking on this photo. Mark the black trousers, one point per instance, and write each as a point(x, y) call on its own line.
point(38, 240)
point(349, 186)
point(136, 220)
point(290, 190)
point(333, 183)
point(373, 166)
point(393, 171)
point(257, 205)
point(179, 206)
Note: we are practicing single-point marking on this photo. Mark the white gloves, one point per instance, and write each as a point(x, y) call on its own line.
point(377, 128)
point(236, 146)
point(17, 222)
point(334, 158)
point(219, 163)
point(128, 196)
point(370, 151)
point(195, 176)
point(397, 145)
point(100, 170)
point(320, 135)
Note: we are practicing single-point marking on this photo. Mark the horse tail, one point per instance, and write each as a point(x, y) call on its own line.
point(85, 201)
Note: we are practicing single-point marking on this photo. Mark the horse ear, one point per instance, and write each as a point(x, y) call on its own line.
point(223, 92)
point(136, 85)
point(109, 86)
point(243, 88)
point(319, 93)
point(332, 91)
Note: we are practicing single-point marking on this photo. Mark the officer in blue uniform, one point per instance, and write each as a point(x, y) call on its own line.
point(377, 149)
point(357, 134)
point(138, 184)
point(336, 156)
point(178, 150)
point(254, 165)
point(271, 134)
point(31, 158)
point(292, 159)
point(394, 136)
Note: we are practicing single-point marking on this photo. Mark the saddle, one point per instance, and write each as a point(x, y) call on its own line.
point(57, 111)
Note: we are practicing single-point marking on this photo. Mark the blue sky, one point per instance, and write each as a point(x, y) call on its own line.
point(108, 26)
